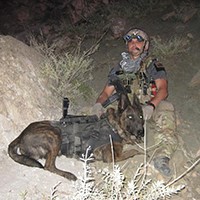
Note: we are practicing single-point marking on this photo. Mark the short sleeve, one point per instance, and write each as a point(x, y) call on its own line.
point(113, 74)
point(156, 71)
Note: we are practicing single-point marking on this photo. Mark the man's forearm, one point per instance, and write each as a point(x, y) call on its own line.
point(102, 98)
point(161, 95)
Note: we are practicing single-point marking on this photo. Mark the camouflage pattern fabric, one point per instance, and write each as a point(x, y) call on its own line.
point(165, 125)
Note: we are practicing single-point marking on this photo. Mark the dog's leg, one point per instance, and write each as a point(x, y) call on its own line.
point(103, 153)
point(127, 154)
point(50, 166)
point(22, 158)
point(106, 154)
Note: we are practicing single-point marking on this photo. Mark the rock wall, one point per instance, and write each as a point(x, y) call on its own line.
point(24, 94)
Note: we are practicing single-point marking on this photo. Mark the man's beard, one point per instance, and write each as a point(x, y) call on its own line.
point(136, 52)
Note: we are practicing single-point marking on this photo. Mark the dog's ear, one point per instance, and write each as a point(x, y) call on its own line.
point(123, 103)
point(136, 102)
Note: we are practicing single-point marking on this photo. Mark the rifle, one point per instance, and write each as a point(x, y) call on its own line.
point(120, 89)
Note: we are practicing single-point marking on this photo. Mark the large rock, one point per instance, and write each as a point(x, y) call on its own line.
point(24, 95)
point(25, 98)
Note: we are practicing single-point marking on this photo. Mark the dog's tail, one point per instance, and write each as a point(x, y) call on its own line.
point(19, 158)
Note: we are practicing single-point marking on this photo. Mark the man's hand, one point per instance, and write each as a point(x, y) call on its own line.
point(97, 109)
point(147, 111)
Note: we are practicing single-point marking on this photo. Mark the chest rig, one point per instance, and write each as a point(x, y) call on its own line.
point(140, 83)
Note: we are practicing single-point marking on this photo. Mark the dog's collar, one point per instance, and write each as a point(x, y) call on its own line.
point(116, 129)
point(122, 133)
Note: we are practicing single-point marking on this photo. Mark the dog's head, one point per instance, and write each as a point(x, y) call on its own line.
point(131, 116)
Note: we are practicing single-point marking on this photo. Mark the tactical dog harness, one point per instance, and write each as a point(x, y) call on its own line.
point(79, 135)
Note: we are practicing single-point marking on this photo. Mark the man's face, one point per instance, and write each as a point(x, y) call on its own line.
point(135, 48)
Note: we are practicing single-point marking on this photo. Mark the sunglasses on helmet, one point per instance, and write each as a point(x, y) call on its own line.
point(128, 38)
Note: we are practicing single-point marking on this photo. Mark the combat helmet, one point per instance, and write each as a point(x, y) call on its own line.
point(138, 34)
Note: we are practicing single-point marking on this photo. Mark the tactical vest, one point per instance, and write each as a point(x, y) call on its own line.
point(78, 136)
point(140, 83)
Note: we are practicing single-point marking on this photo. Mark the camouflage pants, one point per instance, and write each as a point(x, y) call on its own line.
point(165, 134)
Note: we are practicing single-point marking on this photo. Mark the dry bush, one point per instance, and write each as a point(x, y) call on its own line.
point(195, 81)
point(131, 9)
point(115, 187)
point(67, 74)
point(170, 47)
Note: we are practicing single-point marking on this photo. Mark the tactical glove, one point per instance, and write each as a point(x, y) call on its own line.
point(97, 109)
point(147, 111)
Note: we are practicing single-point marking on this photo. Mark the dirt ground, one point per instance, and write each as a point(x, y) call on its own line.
point(20, 182)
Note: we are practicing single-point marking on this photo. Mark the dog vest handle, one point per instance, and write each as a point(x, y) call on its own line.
point(65, 106)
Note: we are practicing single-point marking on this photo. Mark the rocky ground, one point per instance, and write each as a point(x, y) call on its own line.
point(21, 182)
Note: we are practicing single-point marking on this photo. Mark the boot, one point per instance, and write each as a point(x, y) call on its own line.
point(162, 165)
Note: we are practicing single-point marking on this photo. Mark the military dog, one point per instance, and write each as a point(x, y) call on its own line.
point(49, 139)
